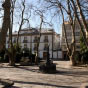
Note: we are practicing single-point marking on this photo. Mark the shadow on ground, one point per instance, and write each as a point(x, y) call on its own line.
point(44, 84)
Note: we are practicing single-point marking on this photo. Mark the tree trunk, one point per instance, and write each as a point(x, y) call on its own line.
point(67, 45)
point(11, 57)
point(6, 22)
point(22, 20)
point(72, 59)
point(82, 16)
point(72, 23)
point(80, 24)
point(36, 61)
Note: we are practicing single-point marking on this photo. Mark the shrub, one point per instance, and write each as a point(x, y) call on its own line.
point(78, 57)
point(84, 57)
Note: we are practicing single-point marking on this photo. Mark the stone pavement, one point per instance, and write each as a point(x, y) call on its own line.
point(30, 77)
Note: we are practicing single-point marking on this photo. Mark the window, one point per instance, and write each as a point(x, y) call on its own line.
point(25, 45)
point(77, 40)
point(64, 47)
point(69, 34)
point(46, 39)
point(25, 37)
point(7, 41)
point(77, 33)
point(36, 39)
point(63, 40)
point(45, 46)
point(35, 47)
point(69, 40)
point(14, 41)
point(78, 46)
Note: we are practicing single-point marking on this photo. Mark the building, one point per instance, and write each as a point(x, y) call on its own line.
point(29, 38)
point(69, 38)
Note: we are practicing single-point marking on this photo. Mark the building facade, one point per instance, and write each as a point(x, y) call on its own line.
point(29, 38)
point(69, 38)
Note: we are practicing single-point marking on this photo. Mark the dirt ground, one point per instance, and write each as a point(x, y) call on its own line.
point(30, 77)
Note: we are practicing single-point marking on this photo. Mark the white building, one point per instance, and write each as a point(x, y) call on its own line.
point(69, 38)
point(28, 38)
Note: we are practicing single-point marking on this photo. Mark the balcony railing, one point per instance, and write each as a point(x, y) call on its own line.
point(14, 41)
point(45, 48)
point(25, 41)
point(7, 41)
point(45, 40)
point(35, 48)
point(36, 40)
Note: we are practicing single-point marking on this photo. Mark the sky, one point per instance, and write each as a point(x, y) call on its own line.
point(35, 20)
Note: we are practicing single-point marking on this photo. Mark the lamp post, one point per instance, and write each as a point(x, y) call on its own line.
point(52, 43)
point(48, 58)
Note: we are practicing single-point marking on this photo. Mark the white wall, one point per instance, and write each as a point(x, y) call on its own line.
point(41, 45)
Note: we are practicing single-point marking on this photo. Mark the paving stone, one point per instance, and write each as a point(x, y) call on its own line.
point(85, 85)
point(1, 86)
point(4, 83)
point(29, 77)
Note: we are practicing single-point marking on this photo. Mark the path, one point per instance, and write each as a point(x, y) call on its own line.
point(30, 77)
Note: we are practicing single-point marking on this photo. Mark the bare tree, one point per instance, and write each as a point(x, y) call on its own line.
point(56, 4)
point(40, 13)
point(82, 16)
point(80, 23)
point(22, 20)
point(73, 10)
point(11, 52)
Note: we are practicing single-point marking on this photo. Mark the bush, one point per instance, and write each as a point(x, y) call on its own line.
point(6, 58)
point(78, 57)
point(84, 58)
point(18, 57)
point(2, 53)
point(25, 52)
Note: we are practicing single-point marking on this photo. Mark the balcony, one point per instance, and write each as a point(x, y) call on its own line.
point(35, 48)
point(14, 41)
point(25, 41)
point(45, 40)
point(45, 48)
point(36, 40)
point(7, 41)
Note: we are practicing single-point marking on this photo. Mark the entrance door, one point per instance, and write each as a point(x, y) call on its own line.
point(44, 55)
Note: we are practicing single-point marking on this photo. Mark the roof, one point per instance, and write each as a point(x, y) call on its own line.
point(34, 31)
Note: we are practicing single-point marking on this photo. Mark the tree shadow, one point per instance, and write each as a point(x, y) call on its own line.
point(29, 69)
point(44, 84)
point(13, 87)
point(21, 67)
point(72, 73)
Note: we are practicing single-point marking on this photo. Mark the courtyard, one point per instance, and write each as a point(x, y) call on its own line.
point(30, 77)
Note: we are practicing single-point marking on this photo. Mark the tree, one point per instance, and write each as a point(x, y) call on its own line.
point(11, 52)
point(6, 23)
point(82, 16)
point(80, 23)
point(22, 20)
point(73, 11)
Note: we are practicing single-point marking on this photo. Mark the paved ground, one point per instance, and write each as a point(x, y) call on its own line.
point(30, 77)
